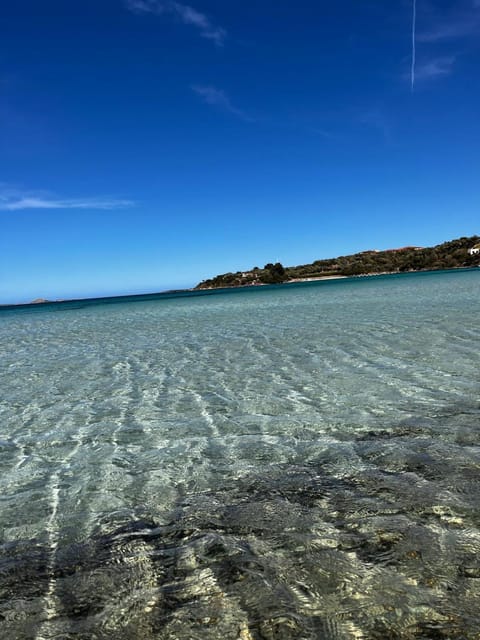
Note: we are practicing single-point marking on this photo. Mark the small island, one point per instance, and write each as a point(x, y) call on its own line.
point(454, 254)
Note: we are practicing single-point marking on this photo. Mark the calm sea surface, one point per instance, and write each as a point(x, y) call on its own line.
point(293, 462)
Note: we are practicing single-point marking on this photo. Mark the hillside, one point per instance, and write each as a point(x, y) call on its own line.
point(448, 255)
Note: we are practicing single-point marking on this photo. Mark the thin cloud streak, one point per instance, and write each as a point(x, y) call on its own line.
point(218, 98)
point(323, 133)
point(414, 34)
point(183, 12)
point(457, 25)
point(377, 120)
point(17, 201)
point(435, 68)
point(448, 30)
point(454, 31)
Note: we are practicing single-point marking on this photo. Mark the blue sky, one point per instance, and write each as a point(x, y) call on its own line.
point(149, 144)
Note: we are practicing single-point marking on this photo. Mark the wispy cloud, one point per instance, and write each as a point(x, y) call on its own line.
point(218, 98)
point(182, 12)
point(435, 68)
point(443, 31)
point(377, 120)
point(15, 200)
point(449, 28)
point(461, 22)
point(323, 133)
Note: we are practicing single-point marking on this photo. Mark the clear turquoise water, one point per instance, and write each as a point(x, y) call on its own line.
point(286, 462)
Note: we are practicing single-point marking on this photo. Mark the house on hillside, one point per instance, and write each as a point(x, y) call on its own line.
point(473, 251)
point(403, 249)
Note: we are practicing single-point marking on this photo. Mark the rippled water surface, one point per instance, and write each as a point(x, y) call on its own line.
point(296, 462)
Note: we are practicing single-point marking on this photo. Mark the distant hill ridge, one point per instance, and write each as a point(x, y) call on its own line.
point(449, 255)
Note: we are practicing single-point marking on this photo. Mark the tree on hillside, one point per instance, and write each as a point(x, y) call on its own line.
point(273, 273)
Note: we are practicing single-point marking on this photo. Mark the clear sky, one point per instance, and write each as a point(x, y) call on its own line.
point(149, 144)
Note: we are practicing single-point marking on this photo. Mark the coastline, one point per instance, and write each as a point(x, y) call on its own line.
point(325, 278)
point(453, 254)
point(146, 296)
point(458, 254)
point(316, 278)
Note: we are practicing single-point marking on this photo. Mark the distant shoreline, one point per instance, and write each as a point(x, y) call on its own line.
point(315, 278)
point(461, 252)
point(153, 295)
point(41, 302)
point(325, 278)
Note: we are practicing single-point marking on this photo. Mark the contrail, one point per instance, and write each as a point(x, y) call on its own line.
point(414, 27)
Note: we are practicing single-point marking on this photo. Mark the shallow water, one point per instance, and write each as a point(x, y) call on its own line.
point(295, 462)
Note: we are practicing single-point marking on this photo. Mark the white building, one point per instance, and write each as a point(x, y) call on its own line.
point(473, 251)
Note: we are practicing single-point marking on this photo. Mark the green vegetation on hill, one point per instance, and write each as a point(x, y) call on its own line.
point(449, 255)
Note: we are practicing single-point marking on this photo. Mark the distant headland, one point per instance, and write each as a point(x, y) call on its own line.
point(462, 252)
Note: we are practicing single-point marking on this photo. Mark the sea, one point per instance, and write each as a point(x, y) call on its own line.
point(285, 462)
